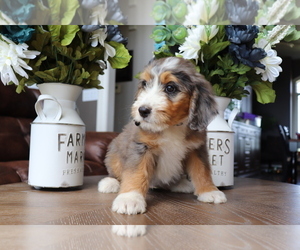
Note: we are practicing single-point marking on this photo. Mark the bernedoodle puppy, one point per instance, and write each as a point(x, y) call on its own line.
point(164, 145)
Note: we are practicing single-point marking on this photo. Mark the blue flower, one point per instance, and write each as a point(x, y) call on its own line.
point(242, 38)
point(114, 12)
point(157, 46)
point(250, 57)
point(18, 33)
point(241, 11)
point(242, 34)
point(19, 11)
point(114, 34)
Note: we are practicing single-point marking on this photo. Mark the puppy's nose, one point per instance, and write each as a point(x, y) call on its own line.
point(144, 111)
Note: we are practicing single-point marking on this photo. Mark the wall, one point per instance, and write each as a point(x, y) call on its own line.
point(138, 12)
point(279, 111)
point(274, 114)
point(142, 46)
point(87, 112)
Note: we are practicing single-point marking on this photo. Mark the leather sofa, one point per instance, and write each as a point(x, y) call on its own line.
point(16, 114)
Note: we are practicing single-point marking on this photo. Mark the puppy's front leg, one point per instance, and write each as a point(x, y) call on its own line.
point(199, 171)
point(134, 186)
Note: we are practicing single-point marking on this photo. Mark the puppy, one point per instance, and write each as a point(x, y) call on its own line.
point(164, 146)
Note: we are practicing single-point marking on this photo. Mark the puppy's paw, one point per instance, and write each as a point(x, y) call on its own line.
point(129, 230)
point(129, 203)
point(109, 185)
point(213, 197)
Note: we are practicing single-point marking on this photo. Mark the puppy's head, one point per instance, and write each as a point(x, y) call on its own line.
point(172, 92)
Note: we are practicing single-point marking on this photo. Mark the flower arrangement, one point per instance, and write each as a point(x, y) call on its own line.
point(230, 57)
point(202, 12)
point(69, 54)
point(61, 12)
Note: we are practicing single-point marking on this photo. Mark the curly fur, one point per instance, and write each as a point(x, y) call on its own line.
point(165, 143)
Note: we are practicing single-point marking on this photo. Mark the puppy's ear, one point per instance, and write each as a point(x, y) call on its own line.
point(203, 107)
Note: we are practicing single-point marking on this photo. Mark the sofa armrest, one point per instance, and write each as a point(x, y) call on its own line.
point(13, 171)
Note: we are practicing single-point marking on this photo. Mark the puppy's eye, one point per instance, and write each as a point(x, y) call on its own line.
point(170, 89)
point(144, 83)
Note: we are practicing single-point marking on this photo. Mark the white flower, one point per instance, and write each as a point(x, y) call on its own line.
point(99, 14)
point(191, 47)
point(208, 32)
point(275, 12)
point(11, 61)
point(102, 64)
point(99, 36)
point(271, 62)
point(201, 12)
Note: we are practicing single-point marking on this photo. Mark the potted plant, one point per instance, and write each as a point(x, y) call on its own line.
point(230, 57)
point(61, 60)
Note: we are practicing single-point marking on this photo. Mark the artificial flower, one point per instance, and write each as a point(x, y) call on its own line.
point(98, 14)
point(231, 57)
point(11, 60)
point(169, 12)
point(190, 48)
point(242, 34)
point(275, 12)
point(99, 37)
point(114, 34)
point(247, 56)
point(64, 53)
point(241, 11)
point(242, 38)
point(20, 11)
point(201, 11)
point(103, 12)
point(271, 66)
point(18, 33)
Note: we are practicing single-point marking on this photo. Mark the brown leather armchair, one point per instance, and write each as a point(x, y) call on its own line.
point(16, 114)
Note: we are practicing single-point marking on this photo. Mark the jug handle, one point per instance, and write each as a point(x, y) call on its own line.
point(232, 115)
point(39, 109)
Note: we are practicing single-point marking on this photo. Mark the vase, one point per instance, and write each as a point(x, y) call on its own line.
point(57, 139)
point(220, 142)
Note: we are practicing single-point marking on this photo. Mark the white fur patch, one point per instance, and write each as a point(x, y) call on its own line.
point(109, 185)
point(173, 148)
point(129, 230)
point(129, 203)
point(213, 197)
point(154, 97)
point(183, 186)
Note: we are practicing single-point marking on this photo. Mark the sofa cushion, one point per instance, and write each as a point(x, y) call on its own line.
point(14, 138)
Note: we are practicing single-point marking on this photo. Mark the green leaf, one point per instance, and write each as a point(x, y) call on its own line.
point(54, 32)
point(63, 33)
point(160, 33)
point(41, 39)
point(122, 57)
point(68, 10)
point(68, 32)
point(217, 72)
point(264, 92)
point(47, 75)
point(210, 50)
point(179, 12)
point(160, 11)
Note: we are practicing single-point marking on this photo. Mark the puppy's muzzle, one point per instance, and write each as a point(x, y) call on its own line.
point(144, 111)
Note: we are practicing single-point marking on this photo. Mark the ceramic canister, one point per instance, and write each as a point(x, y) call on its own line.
point(57, 139)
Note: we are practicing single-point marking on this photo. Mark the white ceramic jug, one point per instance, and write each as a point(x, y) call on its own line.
point(220, 142)
point(57, 139)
